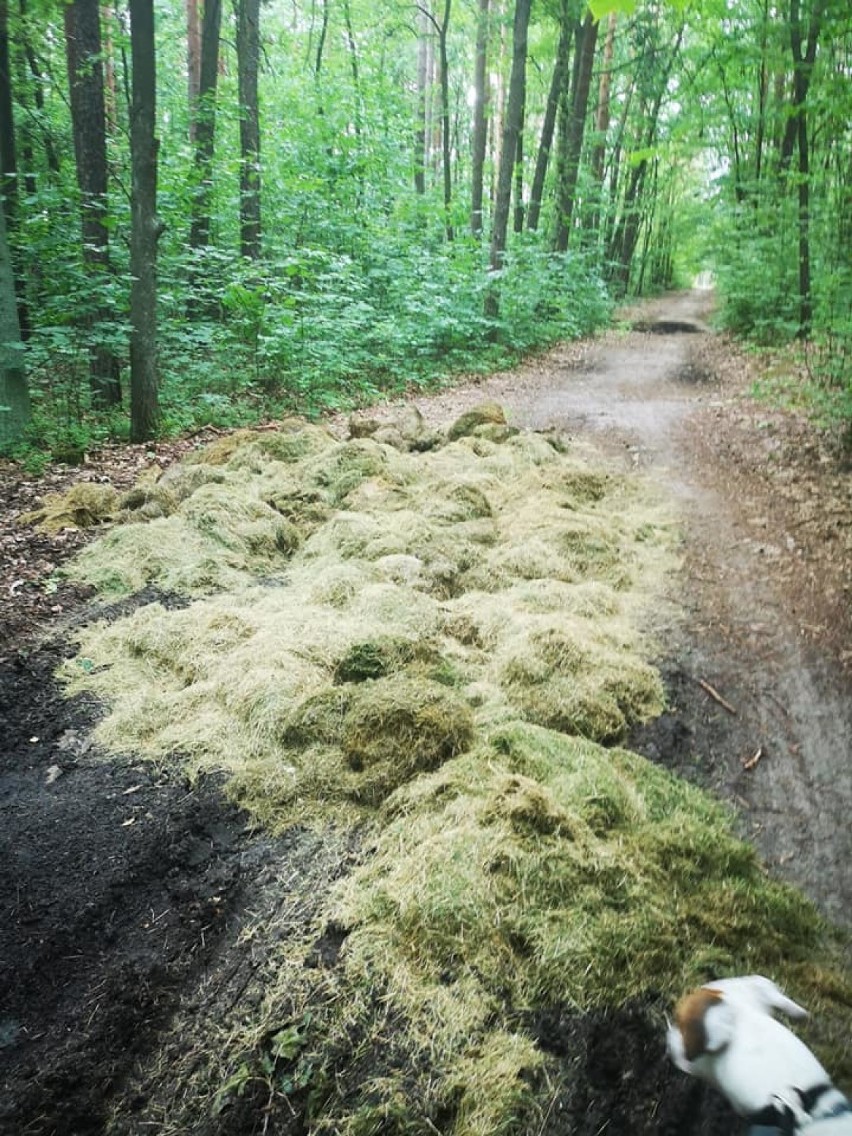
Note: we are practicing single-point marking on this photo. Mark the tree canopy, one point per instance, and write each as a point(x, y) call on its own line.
point(342, 197)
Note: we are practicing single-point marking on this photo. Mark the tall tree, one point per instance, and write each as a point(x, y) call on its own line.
point(421, 132)
point(358, 115)
point(602, 114)
point(8, 155)
point(518, 224)
point(88, 118)
point(193, 62)
point(481, 90)
point(557, 82)
point(37, 84)
point(145, 226)
point(248, 63)
point(574, 109)
point(9, 166)
point(444, 58)
point(442, 29)
point(803, 44)
point(626, 233)
point(14, 394)
point(509, 148)
point(205, 126)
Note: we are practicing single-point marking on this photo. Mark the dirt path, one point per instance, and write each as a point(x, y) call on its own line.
point(128, 896)
point(758, 616)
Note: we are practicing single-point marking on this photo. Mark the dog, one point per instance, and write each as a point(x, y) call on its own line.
point(725, 1034)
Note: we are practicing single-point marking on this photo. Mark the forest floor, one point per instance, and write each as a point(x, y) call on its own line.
point(125, 893)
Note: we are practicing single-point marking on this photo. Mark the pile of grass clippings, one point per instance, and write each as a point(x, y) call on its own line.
point(435, 639)
point(414, 595)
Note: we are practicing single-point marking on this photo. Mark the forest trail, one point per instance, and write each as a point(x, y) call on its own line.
point(748, 619)
point(138, 912)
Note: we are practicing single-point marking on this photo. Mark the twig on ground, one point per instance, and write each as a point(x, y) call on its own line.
point(751, 762)
point(716, 696)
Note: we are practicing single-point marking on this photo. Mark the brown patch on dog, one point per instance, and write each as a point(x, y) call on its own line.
point(689, 1017)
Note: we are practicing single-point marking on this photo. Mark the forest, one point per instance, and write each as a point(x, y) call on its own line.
point(214, 214)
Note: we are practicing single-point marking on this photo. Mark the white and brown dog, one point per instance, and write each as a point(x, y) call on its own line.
point(725, 1034)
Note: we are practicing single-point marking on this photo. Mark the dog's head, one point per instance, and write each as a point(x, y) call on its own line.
point(702, 1024)
point(706, 1020)
point(726, 1034)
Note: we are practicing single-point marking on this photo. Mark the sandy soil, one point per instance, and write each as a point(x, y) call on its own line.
point(128, 899)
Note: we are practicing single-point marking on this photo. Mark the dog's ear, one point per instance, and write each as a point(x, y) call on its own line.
point(690, 1015)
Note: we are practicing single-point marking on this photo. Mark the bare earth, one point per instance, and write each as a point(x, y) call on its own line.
point(129, 900)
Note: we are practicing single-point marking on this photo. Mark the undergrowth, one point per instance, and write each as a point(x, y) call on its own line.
point(312, 331)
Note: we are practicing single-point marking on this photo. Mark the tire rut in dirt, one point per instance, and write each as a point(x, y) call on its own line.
point(116, 882)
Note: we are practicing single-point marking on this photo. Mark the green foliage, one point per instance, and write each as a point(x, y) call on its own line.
point(313, 330)
point(359, 291)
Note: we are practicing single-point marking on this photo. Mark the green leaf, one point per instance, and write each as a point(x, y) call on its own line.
point(287, 1043)
point(644, 154)
point(600, 8)
point(234, 1084)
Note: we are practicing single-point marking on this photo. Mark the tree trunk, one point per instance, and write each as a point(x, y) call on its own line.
point(26, 131)
point(569, 166)
point(623, 242)
point(509, 148)
point(9, 169)
point(518, 223)
point(762, 94)
point(110, 86)
point(445, 119)
point(602, 118)
point(193, 63)
point(804, 56)
point(421, 129)
point(14, 394)
point(321, 41)
point(205, 126)
point(248, 62)
point(498, 122)
point(354, 67)
point(480, 118)
point(358, 103)
point(560, 70)
point(88, 120)
point(145, 228)
point(8, 156)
